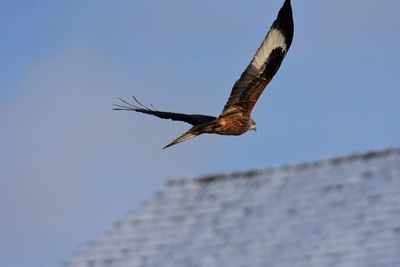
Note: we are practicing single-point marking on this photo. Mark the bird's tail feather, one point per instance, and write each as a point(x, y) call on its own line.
point(195, 131)
point(186, 136)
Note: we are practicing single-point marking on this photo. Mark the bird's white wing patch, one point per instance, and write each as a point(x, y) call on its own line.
point(274, 39)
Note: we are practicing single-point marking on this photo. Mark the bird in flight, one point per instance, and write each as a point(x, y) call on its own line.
point(235, 117)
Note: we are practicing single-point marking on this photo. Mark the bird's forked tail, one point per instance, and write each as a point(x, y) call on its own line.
point(186, 136)
point(196, 130)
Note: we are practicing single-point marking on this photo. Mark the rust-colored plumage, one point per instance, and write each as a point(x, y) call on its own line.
point(235, 118)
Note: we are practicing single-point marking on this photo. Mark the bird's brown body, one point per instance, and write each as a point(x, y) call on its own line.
point(235, 123)
point(235, 119)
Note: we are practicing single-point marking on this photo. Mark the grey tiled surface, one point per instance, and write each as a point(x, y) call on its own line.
point(338, 212)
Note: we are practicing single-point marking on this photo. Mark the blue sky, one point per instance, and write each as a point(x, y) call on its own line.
point(70, 166)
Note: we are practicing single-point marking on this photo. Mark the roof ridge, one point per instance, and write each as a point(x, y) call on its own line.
point(371, 154)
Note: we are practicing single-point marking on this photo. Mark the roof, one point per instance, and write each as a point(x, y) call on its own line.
point(339, 212)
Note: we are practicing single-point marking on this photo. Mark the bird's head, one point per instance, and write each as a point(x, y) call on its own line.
point(252, 125)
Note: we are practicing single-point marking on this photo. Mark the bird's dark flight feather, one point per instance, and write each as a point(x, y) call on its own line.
point(193, 119)
point(256, 76)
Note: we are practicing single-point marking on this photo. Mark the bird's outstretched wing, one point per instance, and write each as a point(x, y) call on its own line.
point(264, 64)
point(193, 119)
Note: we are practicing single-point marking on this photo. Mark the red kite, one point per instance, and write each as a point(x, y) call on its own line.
point(235, 117)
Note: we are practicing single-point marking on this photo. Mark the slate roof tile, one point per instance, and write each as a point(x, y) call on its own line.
point(339, 212)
